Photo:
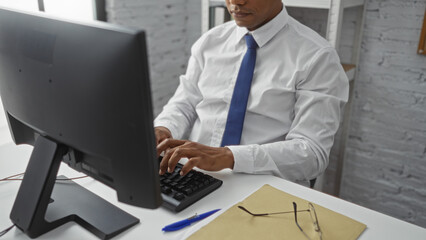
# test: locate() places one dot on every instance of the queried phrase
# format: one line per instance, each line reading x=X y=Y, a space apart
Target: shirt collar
x=265 y=33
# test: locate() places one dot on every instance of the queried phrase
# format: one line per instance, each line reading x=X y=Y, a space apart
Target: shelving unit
x=334 y=26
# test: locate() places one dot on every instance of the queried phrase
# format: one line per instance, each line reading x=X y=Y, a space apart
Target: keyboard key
x=187 y=191
x=166 y=190
x=167 y=181
x=179 y=196
x=180 y=192
x=174 y=175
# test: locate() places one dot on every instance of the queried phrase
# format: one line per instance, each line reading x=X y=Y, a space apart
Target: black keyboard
x=179 y=192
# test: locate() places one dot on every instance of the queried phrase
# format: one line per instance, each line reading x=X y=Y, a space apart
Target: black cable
x=2 y=233
x=69 y=179
x=11 y=178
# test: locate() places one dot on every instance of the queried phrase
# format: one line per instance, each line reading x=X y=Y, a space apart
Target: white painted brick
x=172 y=26
x=386 y=150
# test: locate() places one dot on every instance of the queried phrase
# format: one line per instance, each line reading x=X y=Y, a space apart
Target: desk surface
x=13 y=160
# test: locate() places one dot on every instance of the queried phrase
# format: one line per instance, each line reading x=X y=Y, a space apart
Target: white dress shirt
x=298 y=92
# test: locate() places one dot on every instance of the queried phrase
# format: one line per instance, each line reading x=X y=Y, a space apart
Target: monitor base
x=41 y=205
x=92 y=212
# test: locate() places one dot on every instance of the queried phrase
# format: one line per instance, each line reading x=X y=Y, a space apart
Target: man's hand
x=161 y=134
x=201 y=156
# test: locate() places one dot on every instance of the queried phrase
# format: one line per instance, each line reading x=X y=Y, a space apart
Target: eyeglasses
x=310 y=209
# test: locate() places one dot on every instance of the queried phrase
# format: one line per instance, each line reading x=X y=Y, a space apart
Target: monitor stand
x=41 y=205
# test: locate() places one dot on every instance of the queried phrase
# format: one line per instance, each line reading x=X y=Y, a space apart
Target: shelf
x=325 y=4
x=217 y=3
x=352 y=3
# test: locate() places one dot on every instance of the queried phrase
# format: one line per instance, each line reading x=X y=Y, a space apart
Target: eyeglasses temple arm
x=266 y=214
x=295 y=219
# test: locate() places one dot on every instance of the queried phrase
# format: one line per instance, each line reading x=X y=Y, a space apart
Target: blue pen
x=186 y=222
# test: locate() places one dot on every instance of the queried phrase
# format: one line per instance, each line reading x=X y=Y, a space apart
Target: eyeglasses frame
x=311 y=210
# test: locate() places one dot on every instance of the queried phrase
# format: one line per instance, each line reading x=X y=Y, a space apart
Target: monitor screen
x=80 y=94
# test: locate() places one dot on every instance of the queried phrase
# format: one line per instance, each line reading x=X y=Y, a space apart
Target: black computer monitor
x=80 y=94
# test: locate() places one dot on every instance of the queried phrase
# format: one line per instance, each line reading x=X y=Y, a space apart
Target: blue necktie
x=237 y=109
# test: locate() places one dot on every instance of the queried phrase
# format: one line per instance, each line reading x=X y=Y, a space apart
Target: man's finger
x=179 y=153
x=165 y=162
x=169 y=143
x=192 y=162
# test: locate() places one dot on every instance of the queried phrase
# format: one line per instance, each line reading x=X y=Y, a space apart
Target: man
x=296 y=94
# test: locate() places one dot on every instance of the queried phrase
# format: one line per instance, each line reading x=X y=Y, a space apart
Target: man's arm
x=179 y=113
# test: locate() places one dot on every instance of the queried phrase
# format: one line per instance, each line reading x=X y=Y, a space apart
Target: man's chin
x=243 y=24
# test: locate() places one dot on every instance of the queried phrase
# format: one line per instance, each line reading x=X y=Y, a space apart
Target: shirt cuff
x=168 y=125
x=243 y=158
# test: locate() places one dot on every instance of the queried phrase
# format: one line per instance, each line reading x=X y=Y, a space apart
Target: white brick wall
x=172 y=26
x=385 y=167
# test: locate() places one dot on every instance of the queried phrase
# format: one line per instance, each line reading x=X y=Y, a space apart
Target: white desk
x=13 y=160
